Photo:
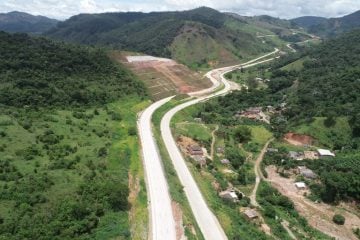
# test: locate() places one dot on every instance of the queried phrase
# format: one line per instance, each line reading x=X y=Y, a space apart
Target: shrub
x=339 y=219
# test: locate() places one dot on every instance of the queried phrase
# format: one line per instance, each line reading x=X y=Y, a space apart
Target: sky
x=62 y=9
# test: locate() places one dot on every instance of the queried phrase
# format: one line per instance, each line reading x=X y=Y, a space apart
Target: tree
x=339 y=219
x=235 y=157
x=330 y=120
x=242 y=134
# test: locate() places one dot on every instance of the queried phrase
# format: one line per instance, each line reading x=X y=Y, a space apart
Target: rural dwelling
x=300 y=185
x=220 y=150
x=195 y=150
x=198 y=120
x=296 y=155
x=254 y=113
x=199 y=159
x=229 y=195
x=325 y=153
x=272 y=150
x=251 y=214
x=225 y=161
x=307 y=173
x=312 y=155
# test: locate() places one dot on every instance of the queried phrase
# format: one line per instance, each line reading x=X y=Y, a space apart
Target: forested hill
x=329 y=81
x=25 y=23
x=195 y=37
x=40 y=72
x=330 y=27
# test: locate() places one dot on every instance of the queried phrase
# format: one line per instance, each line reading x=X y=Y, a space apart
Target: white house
x=300 y=185
x=325 y=153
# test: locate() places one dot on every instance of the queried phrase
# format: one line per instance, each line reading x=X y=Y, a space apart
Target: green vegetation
x=339 y=219
x=277 y=208
x=199 y=38
x=67 y=141
x=37 y=72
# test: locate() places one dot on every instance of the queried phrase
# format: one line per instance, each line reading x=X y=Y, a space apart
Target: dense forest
x=63 y=108
x=39 y=72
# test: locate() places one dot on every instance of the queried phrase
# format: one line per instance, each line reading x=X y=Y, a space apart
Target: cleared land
x=163 y=77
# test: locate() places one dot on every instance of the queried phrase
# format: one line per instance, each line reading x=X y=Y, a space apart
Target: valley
x=179 y=124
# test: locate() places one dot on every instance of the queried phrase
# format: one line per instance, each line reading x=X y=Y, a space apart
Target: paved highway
x=162 y=223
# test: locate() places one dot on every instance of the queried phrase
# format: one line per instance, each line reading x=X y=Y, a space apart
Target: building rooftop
x=325 y=152
x=251 y=213
x=300 y=185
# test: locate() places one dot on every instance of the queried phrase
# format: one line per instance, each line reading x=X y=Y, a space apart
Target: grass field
x=73 y=147
x=335 y=136
x=296 y=65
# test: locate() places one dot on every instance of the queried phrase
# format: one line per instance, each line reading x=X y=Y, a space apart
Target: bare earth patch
x=180 y=232
x=163 y=77
x=319 y=215
x=298 y=139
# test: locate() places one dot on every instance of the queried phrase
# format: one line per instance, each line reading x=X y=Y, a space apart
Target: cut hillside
x=210 y=40
x=25 y=23
x=163 y=77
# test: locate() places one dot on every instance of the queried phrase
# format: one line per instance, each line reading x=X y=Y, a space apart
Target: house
x=229 y=195
x=311 y=155
x=198 y=120
x=300 y=185
x=251 y=214
x=325 y=153
x=195 y=150
x=254 y=113
x=225 y=161
x=296 y=155
x=199 y=159
x=307 y=173
x=272 y=150
x=220 y=150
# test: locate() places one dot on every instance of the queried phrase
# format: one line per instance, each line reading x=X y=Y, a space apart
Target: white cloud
x=278 y=8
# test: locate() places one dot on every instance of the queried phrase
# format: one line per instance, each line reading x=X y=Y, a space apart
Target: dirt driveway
x=319 y=215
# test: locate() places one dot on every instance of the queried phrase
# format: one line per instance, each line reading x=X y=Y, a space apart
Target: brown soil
x=180 y=232
x=164 y=78
x=183 y=142
x=298 y=139
x=138 y=229
x=319 y=215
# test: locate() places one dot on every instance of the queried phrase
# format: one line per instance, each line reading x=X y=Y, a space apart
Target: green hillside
x=67 y=142
x=39 y=72
x=197 y=37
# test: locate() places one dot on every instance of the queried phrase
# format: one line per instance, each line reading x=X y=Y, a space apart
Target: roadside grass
x=85 y=133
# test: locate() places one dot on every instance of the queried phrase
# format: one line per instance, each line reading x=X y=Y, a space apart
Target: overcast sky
x=62 y=9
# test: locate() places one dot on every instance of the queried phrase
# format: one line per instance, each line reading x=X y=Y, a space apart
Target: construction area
x=163 y=77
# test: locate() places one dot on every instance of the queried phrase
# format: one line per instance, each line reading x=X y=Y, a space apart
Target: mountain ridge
x=16 y=21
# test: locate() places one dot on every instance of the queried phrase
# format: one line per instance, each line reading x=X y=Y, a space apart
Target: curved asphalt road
x=162 y=223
